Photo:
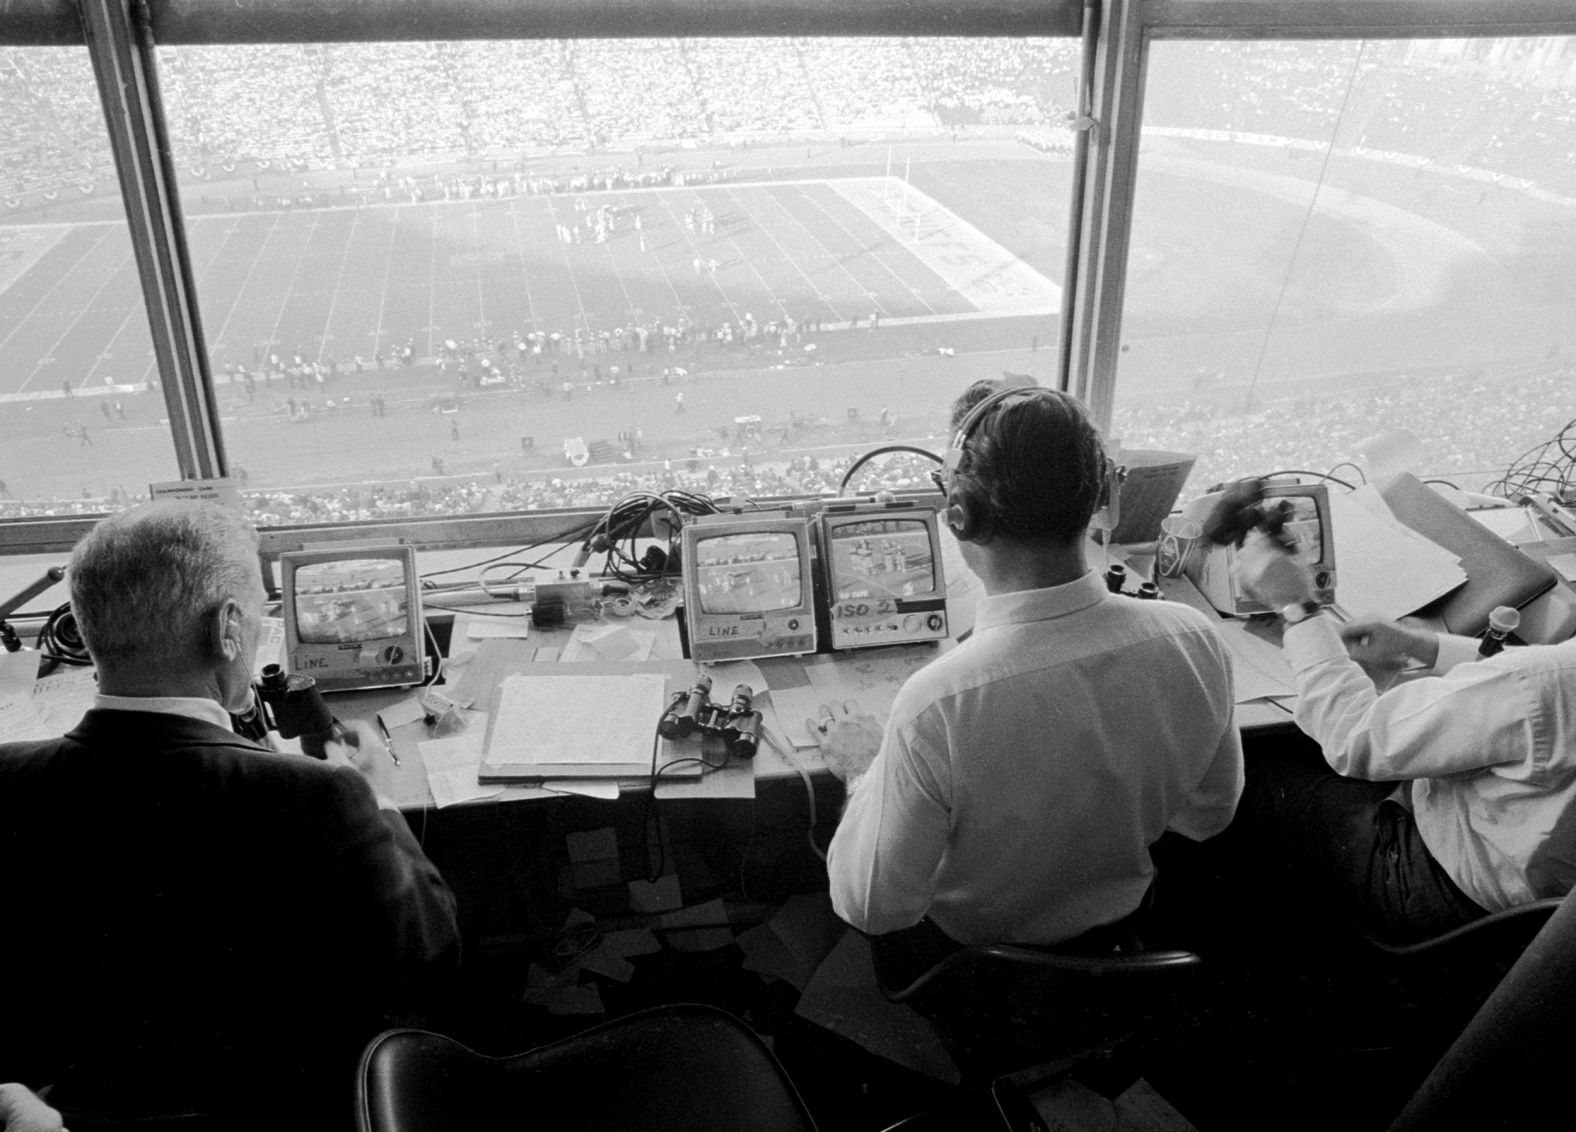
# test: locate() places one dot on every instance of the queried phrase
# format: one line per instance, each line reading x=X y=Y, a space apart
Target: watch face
x=1299 y=611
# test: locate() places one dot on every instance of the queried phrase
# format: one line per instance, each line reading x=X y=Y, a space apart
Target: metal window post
x=120 y=44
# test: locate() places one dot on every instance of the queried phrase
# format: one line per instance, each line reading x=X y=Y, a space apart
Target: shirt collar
x=192 y=707
x=1042 y=604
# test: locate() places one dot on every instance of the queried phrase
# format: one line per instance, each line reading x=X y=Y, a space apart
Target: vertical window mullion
x=120 y=45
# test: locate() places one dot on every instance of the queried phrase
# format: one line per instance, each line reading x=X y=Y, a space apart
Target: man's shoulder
x=177 y=750
x=1171 y=619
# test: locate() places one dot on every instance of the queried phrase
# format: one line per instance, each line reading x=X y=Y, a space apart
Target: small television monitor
x=882 y=574
x=353 y=616
x=1213 y=568
x=748 y=590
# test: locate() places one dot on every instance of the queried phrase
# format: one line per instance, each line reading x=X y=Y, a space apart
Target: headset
x=976 y=524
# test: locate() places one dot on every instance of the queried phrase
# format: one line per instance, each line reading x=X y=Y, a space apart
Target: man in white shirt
x=1022 y=777
x=1445 y=797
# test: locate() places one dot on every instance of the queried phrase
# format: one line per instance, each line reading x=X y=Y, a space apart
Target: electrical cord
x=885 y=449
x=809 y=791
x=568 y=535
x=60 y=642
x=1544 y=469
x=1306 y=472
x=617 y=533
x=1348 y=464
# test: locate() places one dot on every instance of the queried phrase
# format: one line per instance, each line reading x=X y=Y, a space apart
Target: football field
x=335 y=284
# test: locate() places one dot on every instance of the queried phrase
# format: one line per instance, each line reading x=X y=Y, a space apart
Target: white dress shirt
x=1490 y=747
x=1023 y=776
x=193 y=707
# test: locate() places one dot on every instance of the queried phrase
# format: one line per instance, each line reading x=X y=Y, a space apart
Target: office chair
x=677 y=1067
x=1506 y=1069
x=998 y=1008
x=1415 y=996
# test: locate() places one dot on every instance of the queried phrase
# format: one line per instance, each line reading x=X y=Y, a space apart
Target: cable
x=618 y=532
x=568 y=535
x=60 y=642
x=1544 y=469
x=436 y=653
x=885 y=449
x=1346 y=464
x=1306 y=472
x=809 y=791
x=1302 y=230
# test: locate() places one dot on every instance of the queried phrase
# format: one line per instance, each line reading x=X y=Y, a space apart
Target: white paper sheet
x=63 y=697
x=608 y=642
x=562 y=719
x=1383 y=568
x=451 y=765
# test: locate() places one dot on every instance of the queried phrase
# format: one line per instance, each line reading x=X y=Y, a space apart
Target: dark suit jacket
x=189 y=918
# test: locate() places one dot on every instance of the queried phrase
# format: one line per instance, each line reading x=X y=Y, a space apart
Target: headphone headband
x=970 y=422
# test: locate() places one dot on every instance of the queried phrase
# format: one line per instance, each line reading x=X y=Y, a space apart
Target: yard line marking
x=339 y=277
x=251 y=268
x=383 y=295
x=53 y=287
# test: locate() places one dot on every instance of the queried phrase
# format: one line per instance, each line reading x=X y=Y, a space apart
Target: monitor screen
x=1303 y=525
x=748 y=572
x=882 y=558
x=355 y=599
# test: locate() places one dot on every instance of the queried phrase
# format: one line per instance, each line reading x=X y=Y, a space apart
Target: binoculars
x=738 y=725
x=291 y=705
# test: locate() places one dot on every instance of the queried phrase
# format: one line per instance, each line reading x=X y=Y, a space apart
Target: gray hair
x=145 y=582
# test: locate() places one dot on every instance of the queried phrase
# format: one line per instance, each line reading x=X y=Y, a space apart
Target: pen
x=388 y=740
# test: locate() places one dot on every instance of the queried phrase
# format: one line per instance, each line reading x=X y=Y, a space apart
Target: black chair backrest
x=1507 y=930
x=998 y=1008
x=678 y=1067
x=1507 y=1068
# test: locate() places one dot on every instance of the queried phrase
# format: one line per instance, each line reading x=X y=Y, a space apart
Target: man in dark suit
x=196 y=922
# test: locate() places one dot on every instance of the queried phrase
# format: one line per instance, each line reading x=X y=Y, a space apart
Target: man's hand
x=1389 y=645
x=849 y=738
x=22 y=1111
x=1271 y=574
x=364 y=750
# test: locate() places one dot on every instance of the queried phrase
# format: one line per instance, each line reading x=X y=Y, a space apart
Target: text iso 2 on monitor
x=883 y=575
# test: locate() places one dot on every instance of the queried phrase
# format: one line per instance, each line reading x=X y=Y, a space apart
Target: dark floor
x=1311 y=1035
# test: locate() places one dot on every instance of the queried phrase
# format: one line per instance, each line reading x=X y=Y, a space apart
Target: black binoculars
x=291 y=705
x=737 y=724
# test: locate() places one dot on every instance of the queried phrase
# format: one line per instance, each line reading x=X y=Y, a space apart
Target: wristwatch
x=1299 y=611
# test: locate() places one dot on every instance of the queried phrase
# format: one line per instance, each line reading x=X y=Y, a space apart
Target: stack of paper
x=561 y=726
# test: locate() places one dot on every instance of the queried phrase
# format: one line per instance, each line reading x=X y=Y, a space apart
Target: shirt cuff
x=1312 y=642
x=1454 y=650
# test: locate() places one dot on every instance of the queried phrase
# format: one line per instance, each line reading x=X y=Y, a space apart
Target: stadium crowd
x=1472 y=426
x=1506 y=106
x=239 y=110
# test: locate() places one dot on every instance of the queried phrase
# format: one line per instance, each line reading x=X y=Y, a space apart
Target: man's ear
x=224 y=630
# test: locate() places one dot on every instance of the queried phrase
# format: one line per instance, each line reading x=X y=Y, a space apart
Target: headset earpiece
x=975 y=518
x=963 y=515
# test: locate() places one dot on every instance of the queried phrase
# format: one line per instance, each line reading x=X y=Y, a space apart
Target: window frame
x=123 y=35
